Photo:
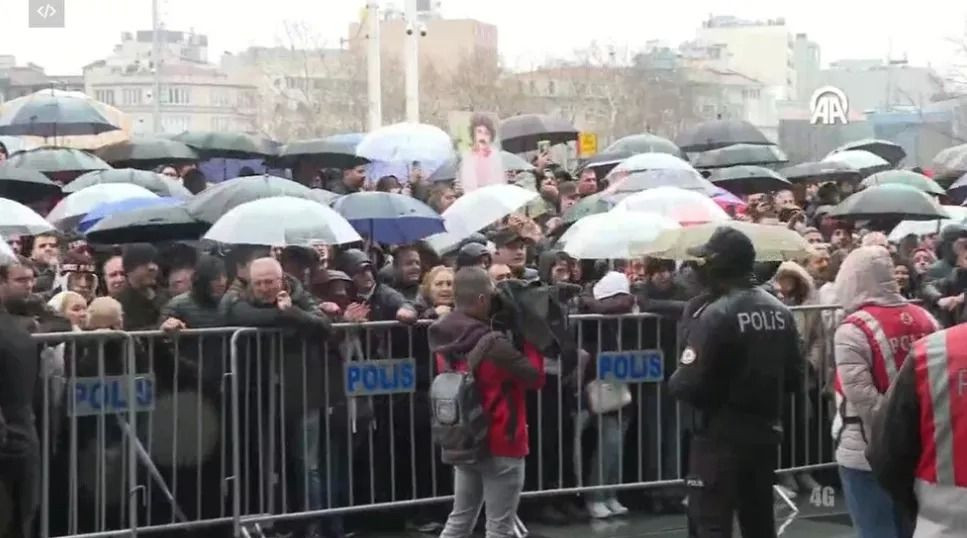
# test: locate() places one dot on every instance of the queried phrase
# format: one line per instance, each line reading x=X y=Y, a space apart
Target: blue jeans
x=606 y=461
x=870 y=507
x=313 y=488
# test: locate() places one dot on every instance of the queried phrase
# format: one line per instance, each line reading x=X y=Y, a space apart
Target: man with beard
x=407 y=272
x=741 y=356
x=19 y=444
x=45 y=256
x=141 y=300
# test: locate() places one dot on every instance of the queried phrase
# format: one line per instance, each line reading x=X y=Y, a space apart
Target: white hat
x=612 y=284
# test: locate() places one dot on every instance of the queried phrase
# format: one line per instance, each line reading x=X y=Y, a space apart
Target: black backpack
x=459 y=422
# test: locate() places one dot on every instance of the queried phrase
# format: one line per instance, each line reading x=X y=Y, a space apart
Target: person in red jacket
x=503 y=375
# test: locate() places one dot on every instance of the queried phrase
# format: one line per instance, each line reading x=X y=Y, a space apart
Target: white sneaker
x=615 y=507
x=599 y=510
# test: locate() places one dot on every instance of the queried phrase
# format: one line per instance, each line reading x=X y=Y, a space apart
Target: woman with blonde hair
x=436 y=293
x=71 y=306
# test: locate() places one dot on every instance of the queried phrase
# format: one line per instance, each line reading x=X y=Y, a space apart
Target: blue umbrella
x=389 y=218
x=108 y=209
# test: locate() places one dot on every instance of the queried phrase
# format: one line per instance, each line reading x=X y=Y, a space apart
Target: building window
x=532 y=87
x=221 y=124
x=751 y=94
x=175 y=96
x=131 y=96
x=551 y=89
x=104 y=96
x=221 y=97
x=175 y=124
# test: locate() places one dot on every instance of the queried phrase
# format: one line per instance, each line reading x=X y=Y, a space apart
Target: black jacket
x=741 y=357
x=305 y=333
x=140 y=312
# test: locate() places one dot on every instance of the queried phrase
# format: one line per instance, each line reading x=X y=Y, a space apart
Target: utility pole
x=412 y=49
x=375 y=91
x=156 y=60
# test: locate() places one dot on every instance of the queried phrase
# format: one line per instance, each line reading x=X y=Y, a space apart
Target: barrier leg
x=520 y=530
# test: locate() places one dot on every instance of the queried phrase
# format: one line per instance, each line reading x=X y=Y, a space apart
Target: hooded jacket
x=812 y=331
x=503 y=376
x=865 y=279
x=946 y=257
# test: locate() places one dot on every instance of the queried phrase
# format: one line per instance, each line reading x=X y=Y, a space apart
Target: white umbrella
x=772 y=243
x=683 y=206
x=958 y=215
x=859 y=159
x=652 y=161
x=18 y=219
x=7 y=254
x=280 y=221
x=484 y=206
x=76 y=205
x=610 y=235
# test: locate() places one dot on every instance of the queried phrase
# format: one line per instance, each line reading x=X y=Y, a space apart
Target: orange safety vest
x=941 y=382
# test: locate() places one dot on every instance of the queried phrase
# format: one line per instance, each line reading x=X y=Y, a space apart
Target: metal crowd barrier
x=246 y=428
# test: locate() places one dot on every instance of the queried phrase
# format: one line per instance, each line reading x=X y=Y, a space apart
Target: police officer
x=917 y=449
x=741 y=357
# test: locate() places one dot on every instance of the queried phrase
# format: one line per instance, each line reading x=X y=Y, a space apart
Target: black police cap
x=727 y=247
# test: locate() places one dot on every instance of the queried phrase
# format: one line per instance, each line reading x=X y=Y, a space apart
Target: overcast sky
x=529 y=30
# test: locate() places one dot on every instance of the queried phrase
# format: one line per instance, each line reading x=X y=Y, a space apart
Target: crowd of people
x=59 y=283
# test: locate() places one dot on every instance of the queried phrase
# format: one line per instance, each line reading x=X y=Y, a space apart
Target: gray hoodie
x=865 y=279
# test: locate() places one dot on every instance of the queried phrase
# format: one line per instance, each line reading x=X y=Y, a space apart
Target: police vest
x=890 y=332
x=940 y=367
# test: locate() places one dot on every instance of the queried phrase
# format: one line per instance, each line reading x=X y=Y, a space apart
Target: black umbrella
x=748 y=180
x=739 y=154
x=323 y=152
x=890 y=151
x=891 y=201
x=523 y=133
x=717 y=134
x=820 y=172
x=228 y=145
x=649 y=179
x=51 y=160
x=210 y=204
x=950 y=163
x=25 y=185
x=147 y=152
x=53 y=113
x=156 y=183
x=644 y=143
x=152 y=224
x=603 y=163
x=447 y=172
x=392 y=219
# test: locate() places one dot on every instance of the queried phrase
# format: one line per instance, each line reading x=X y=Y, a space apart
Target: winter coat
x=503 y=376
x=305 y=332
x=203 y=352
x=140 y=312
x=809 y=322
x=865 y=279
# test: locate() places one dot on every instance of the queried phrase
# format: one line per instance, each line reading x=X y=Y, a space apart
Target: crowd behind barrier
x=242 y=428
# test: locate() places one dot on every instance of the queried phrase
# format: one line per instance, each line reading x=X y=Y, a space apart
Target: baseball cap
x=728 y=247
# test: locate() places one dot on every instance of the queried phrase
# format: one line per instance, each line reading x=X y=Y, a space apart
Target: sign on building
x=587 y=145
x=829 y=106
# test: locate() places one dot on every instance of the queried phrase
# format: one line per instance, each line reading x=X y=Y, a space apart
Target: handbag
x=605 y=397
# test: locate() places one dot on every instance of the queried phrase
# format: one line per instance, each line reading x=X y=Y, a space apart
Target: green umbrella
x=890 y=201
x=904 y=177
x=739 y=154
x=51 y=160
x=147 y=151
x=591 y=205
x=228 y=145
